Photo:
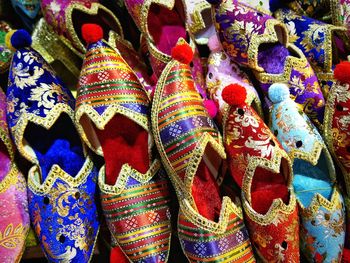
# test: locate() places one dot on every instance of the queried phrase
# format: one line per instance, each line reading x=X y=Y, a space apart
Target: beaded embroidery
x=182 y=130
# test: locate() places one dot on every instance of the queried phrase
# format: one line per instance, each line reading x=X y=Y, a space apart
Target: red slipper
x=263 y=170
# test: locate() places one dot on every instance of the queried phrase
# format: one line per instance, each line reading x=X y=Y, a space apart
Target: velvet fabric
x=322 y=212
x=162 y=27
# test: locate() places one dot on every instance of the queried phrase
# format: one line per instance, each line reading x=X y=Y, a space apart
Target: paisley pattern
x=63 y=212
x=182 y=130
x=144 y=234
x=242 y=30
x=58 y=14
x=34 y=94
x=315 y=39
x=251 y=145
x=321 y=206
x=14 y=217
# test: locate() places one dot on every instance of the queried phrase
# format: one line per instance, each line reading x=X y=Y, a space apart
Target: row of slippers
x=114 y=118
x=181 y=121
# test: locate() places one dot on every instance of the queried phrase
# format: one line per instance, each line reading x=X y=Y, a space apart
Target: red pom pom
x=211 y=108
x=91 y=33
x=182 y=53
x=342 y=72
x=234 y=94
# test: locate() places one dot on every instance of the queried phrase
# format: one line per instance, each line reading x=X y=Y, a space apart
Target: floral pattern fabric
x=315 y=39
x=64 y=214
x=222 y=72
x=337 y=128
x=243 y=29
x=62 y=207
x=33 y=87
x=321 y=206
x=251 y=145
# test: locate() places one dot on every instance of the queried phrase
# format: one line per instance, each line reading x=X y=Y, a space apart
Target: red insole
x=166 y=27
x=266 y=187
x=206 y=193
x=123 y=141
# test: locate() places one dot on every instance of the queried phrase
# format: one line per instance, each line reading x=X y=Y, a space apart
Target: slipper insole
x=309 y=180
x=206 y=193
x=166 y=27
x=5 y=162
x=58 y=145
x=266 y=187
x=271 y=57
x=123 y=142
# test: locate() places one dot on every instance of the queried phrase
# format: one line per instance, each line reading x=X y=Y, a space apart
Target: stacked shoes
x=198 y=131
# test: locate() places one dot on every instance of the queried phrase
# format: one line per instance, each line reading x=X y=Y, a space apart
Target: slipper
x=67 y=17
x=62 y=180
x=321 y=206
x=210 y=227
x=112 y=110
x=336 y=124
x=336 y=129
x=322 y=44
x=263 y=171
x=14 y=223
x=162 y=24
x=258 y=41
